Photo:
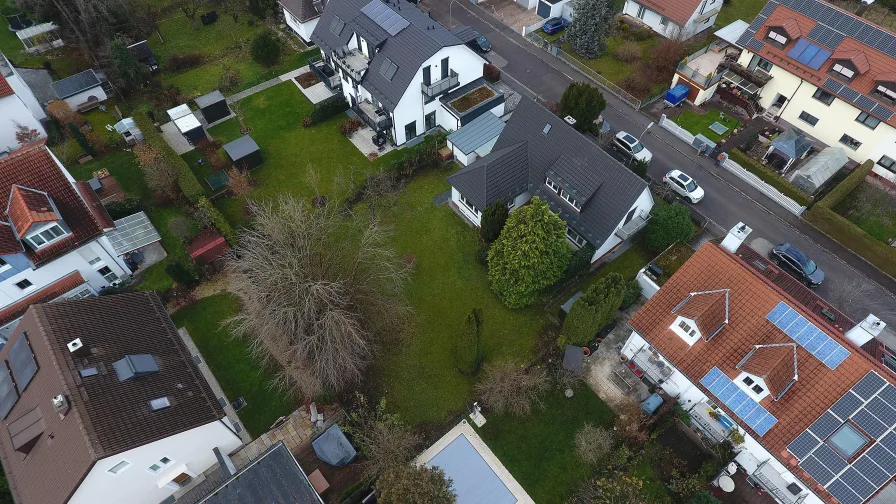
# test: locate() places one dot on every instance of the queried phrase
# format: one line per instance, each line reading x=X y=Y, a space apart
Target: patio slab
x=316 y=93
x=511 y=13
x=363 y=140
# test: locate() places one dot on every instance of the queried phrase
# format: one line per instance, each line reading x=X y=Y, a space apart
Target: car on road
x=554 y=25
x=797 y=263
x=631 y=146
x=480 y=44
x=684 y=185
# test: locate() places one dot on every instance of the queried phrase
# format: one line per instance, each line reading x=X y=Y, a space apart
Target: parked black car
x=797 y=263
x=480 y=44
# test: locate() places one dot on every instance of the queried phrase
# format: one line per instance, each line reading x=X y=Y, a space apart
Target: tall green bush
x=328 y=108
x=595 y=309
x=468 y=347
x=266 y=48
x=669 y=224
x=584 y=103
x=79 y=137
x=186 y=180
x=493 y=219
x=218 y=220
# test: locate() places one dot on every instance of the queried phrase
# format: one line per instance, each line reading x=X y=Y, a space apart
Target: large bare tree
x=319 y=290
x=510 y=386
x=383 y=438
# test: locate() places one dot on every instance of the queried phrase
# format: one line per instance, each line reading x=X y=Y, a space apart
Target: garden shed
x=128 y=130
x=213 y=106
x=187 y=124
x=787 y=148
x=207 y=247
x=819 y=169
x=244 y=153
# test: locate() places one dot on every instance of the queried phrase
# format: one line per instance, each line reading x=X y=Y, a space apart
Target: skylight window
x=388 y=69
x=809 y=54
x=847 y=441
x=337 y=25
x=547 y=128
x=159 y=404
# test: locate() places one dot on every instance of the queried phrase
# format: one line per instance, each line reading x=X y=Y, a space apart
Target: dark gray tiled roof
x=465 y=33
x=40 y=83
x=241 y=147
x=477 y=133
x=303 y=10
x=275 y=476
x=408 y=49
x=209 y=99
x=608 y=188
x=141 y=50
x=501 y=175
x=73 y=85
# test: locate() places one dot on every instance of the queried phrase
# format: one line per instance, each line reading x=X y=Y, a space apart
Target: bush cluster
x=179 y=62
x=350 y=126
x=491 y=73
x=186 y=180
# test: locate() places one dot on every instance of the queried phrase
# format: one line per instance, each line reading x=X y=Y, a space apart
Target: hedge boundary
x=876 y=252
x=848 y=185
x=770 y=177
x=186 y=180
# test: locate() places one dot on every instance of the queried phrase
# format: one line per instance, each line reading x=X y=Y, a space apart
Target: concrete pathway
x=264 y=85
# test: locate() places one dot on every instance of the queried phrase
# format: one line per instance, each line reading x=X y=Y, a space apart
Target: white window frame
x=97 y=263
x=84 y=292
x=847 y=142
x=109 y=277
x=846 y=73
x=469 y=205
x=575 y=238
x=45 y=229
x=686 y=329
x=757 y=381
x=162 y=465
x=511 y=205
x=886 y=91
x=125 y=465
x=642 y=11
x=553 y=185
x=4 y=266
x=777 y=37
x=29 y=286
x=810 y=119
x=864 y=118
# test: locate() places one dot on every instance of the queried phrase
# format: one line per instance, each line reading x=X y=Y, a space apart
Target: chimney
x=736 y=237
x=60 y=405
x=867 y=330
x=225 y=462
x=863 y=6
x=77 y=348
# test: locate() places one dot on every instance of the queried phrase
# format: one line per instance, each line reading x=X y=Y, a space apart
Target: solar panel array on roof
x=755 y=416
x=22 y=363
x=849 y=26
x=755 y=45
x=385 y=17
x=8 y=393
x=809 y=54
x=810 y=337
x=825 y=36
x=871 y=406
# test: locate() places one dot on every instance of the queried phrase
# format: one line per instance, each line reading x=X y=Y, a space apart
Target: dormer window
x=753 y=385
x=563 y=194
x=46 y=235
x=777 y=37
x=843 y=70
x=686 y=329
x=885 y=91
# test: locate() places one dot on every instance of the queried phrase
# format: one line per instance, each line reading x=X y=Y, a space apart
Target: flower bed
x=471 y=99
x=307 y=79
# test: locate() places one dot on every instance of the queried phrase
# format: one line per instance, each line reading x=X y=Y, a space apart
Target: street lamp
x=450 y=17
x=645 y=130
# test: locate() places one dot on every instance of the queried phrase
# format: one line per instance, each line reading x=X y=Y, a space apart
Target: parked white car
x=631 y=146
x=684 y=185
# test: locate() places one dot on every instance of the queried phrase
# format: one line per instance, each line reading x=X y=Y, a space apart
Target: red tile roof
x=97 y=210
x=5 y=88
x=28 y=207
x=208 y=246
x=709 y=310
x=879 y=66
x=751 y=298
x=34 y=167
x=45 y=295
x=9 y=242
x=679 y=11
x=776 y=364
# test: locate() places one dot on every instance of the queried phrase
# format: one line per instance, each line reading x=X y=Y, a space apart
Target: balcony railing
x=702 y=66
x=377 y=118
x=708 y=425
x=352 y=61
x=326 y=74
x=633 y=226
x=773 y=483
x=653 y=365
x=439 y=87
x=758 y=77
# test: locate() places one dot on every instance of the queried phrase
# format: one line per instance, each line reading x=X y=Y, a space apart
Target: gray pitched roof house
x=302 y=15
x=538 y=154
x=395 y=61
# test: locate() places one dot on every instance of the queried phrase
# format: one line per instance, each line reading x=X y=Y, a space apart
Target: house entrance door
x=410 y=130
x=429 y=121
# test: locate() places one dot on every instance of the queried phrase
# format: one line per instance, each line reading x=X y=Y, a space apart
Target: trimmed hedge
x=770 y=177
x=848 y=185
x=853 y=237
x=329 y=108
x=218 y=219
x=186 y=180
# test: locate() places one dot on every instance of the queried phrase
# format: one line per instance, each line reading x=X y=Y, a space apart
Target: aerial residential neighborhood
x=432 y=252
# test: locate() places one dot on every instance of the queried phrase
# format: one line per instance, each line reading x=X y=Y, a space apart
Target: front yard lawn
x=698 y=124
x=418 y=377
x=237 y=371
x=539 y=449
x=872 y=209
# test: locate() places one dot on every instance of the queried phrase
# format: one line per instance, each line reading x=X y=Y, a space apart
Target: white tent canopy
x=819 y=169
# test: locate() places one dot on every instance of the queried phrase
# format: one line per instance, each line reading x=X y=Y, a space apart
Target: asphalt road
x=728 y=200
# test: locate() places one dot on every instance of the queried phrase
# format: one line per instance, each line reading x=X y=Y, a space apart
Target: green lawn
x=539 y=449
x=418 y=377
x=238 y=373
x=672 y=259
x=739 y=9
x=643 y=468
x=628 y=264
x=700 y=123
x=872 y=209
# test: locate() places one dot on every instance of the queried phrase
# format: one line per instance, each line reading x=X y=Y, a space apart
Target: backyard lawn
x=539 y=449
x=739 y=9
x=697 y=123
x=872 y=209
x=238 y=373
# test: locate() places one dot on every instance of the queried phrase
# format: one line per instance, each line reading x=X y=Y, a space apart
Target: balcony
x=772 y=482
x=439 y=87
x=352 y=61
x=702 y=67
x=710 y=427
x=375 y=117
x=633 y=226
x=326 y=74
x=756 y=76
x=653 y=365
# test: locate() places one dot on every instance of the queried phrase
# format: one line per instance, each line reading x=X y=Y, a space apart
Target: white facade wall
x=304 y=30
x=529 y=4
x=12 y=113
x=190 y=452
x=833 y=121
x=75 y=101
x=474 y=217
x=411 y=108
x=703 y=95
x=666 y=27
x=688 y=394
x=643 y=204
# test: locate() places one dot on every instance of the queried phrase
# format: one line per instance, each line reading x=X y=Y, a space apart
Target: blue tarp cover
x=651 y=404
x=471 y=477
x=333 y=448
x=677 y=94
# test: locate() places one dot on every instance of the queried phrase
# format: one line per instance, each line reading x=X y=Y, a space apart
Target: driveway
x=728 y=200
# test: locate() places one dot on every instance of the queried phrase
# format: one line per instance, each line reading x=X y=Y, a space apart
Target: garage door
x=544 y=9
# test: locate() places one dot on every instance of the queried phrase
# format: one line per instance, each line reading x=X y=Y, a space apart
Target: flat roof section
x=477 y=476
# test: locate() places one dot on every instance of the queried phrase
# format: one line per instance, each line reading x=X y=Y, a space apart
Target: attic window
x=777 y=37
x=388 y=69
x=547 y=128
x=886 y=91
x=843 y=71
x=159 y=404
x=46 y=235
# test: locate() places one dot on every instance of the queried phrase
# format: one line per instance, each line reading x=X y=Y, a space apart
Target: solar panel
x=817 y=470
x=827 y=456
x=843 y=493
x=385 y=17
x=883 y=458
x=889 y=441
x=857 y=483
x=882 y=111
x=869 y=385
x=768 y=9
x=710 y=378
x=825 y=36
x=803 y=445
x=871 y=471
x=757 y=23
x=22 y=363
x=888 y=394
x=756 y=416
x=807 y=335
x=727 y=392
x=882 y=411
x=849 y=93
x=826 y=424
x=818 y=60
x=765 y=425
x=846 y=406
x=8 y=393
x=832 y=85
x=865 y=103
x=739 y=402
x=755 y=45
